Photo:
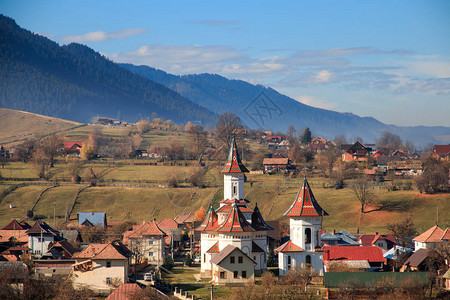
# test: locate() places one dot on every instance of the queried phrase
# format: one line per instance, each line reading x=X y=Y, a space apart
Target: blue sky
x=385 y=59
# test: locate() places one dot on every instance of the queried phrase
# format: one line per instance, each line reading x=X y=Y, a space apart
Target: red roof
x=167 y=223
x=143 y=229
x=370 y=239
x=343 y=253
x=210 y=222
x=115 y=250
x=125 y=291
x=185 y=218
x=73 y=146
x=432 y=235
x=227 y=207
x=441 y=149
x=214 y=248
x=235 y=222
x=289 y=246
x=446 y=235
x=233 y=164
x=305 y=204
x=13 y=225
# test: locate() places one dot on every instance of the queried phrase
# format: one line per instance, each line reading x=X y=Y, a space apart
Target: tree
x=389 y=142
x=143 y=126
x=365 y=195
x=339 y=140
x=89 y=147
x=52 y=145
x=168 y=262
x=226 y=127
x=403 y=232
x=291 y=131
x=435 y=176
x=257 y=162
x=198 y=138
x=306 y=137
x=200 y=214
x=196 y=177
x=326 y=160
x=300 y=276
x=73 y=167
x=188 y=260
x=25 y=150
x=41 y=161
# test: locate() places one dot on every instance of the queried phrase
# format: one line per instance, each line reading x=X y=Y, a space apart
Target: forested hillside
x=221 y=95
x=76 y=83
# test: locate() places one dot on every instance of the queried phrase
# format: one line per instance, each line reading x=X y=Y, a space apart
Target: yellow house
x=232 y=266
x=101 y=266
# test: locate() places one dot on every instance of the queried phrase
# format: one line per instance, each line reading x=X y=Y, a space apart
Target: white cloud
x=316 y=102
x=101 y=36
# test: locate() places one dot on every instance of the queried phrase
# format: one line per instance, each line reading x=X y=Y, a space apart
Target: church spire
x=233 y=164
x=305 y=204
x=210 y=222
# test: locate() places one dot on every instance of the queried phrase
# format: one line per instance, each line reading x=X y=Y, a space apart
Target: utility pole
x=54 y=214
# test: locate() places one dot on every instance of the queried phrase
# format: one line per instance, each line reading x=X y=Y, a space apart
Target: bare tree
x=339 y=140
x=41 y=162
x=389 y=142
x=403 y=232
x=143 y=126
x=198 y=139
x=226 y=128
x=52 y=145
x=327 y=159
x=365 y=195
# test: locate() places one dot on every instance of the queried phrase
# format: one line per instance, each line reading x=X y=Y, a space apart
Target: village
x=225 y=248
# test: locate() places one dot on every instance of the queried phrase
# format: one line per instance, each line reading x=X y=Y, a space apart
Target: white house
x=429 y=238
x=100 y=266
x=304 y=246
x=234 y=223
x=40 y=235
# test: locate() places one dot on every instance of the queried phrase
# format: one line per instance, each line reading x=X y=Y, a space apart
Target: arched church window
x=234 y=190
x=308 y=236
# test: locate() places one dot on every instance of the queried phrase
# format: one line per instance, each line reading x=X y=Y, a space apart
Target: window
x=235 y=274
x=40 y=240
x=308 y=259
x=234 y=190
x=231 y=259
x=240 y=260
x=222 y=275
x=289 y=259
x=244 y=274
x=308 y=236
x=108 y=280
x=204 y=258
x=150 y=254
x=150 y=242
x=108 y=264
x=254 y=258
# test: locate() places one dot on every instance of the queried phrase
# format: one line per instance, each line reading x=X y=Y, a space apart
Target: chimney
x=376 y=233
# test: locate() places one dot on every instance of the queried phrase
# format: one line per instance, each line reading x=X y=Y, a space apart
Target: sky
x=385 y=59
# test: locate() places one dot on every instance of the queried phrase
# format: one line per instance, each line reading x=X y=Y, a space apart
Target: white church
x=233 y=223
x=304 y=246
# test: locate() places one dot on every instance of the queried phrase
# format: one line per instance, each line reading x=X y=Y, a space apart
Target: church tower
x=304 y=246
x=233 y=179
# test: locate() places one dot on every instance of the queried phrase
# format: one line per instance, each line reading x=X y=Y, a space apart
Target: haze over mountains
x=76 y=83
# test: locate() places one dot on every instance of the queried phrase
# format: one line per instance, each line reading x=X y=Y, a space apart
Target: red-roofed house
x=372 y=254
x=126 y=291
x=73 y=147
x=170 y=227
x=429 y=238
x=99 y=266
x=384 y=241
x=442 y=151
x=147 y=239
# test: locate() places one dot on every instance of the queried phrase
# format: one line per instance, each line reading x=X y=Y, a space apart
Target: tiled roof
x=237 y=201
x=432 y=235
x=370 y=239
x=258 y=222
x=227 y=207
x=369 y=253
x=305 y=204
x=417 y=258
x=72 y=145
x=42 y=227
x=20 y=235
x=66 y=246
x=446 y=234
x=114 y=250
x=125 y=291
x=235 y=222
x=210 y=222
x=275 y=161
x=167 y=223
x=256 y=248
x=214 y=248
x=441 y=149
x=13 y=225
x=289 y=246
x=184 y=218
x=147 y=229
x=218 y=258
x=233 y=164
x=275 y=233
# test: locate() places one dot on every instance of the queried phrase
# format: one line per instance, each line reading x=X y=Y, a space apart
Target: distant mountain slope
x=221 y=94
x=74 y=82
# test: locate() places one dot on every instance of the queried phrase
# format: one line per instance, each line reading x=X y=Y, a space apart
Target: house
x=405 y=167
x=341 y=238
x=148 y=240
x=232 y=266
x=15 y=253
x=319 y=143
x=305 y=222
x=446 y=278
x=40 y=237
x=418 y=261
x=371 y=254
x=429 y=239
x=99 y=266
x=92 y=219
x=126 y=291
x=274 y=139
x=73 y=147
x=185 y=219
x=356 y=152
x=234 y=222
x=13 y=234
x=50 y=267
x=171 y=229
x=384 y=241
x=276 y=164
x=377 y=154
x=442 y=151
